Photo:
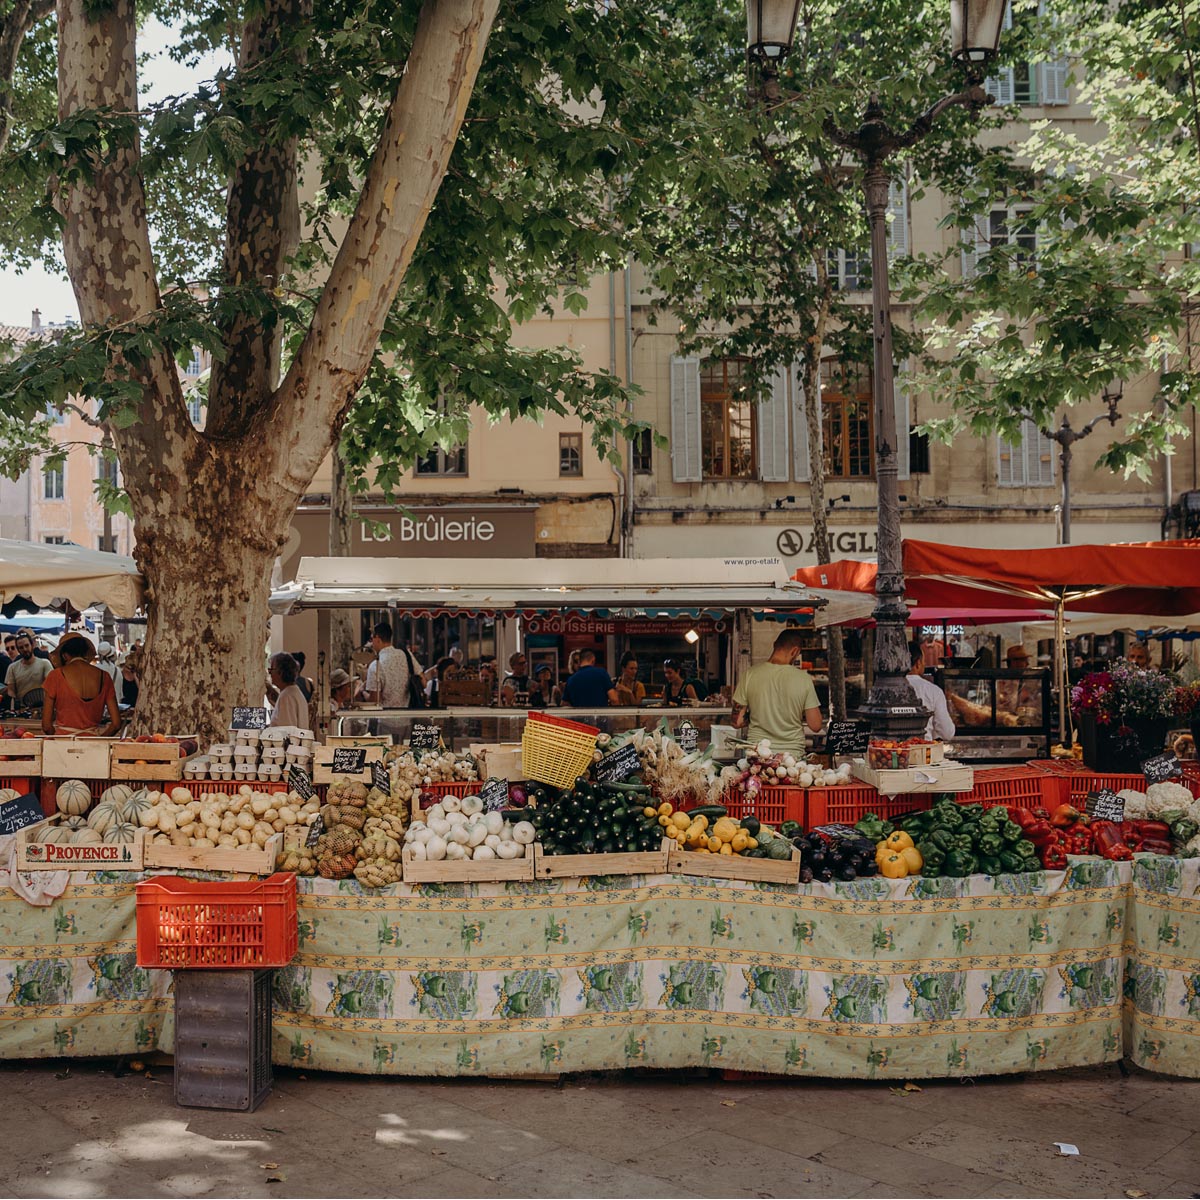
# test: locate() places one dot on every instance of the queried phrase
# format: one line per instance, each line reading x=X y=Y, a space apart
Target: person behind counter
x=631 y=691
x=291 y=708
x=591 y=686
x=678 y=690
x=776 y=699
x=517 y=679
x=939 y=725
x=78 y=693
x=542 y=689
x=340 y=688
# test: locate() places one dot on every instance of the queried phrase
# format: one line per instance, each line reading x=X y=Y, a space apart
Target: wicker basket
x=555 y=750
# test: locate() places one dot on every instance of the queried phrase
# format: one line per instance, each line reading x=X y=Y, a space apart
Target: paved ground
x=71 y=1129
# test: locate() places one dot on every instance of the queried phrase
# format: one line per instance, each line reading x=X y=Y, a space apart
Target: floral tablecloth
x=876 y=978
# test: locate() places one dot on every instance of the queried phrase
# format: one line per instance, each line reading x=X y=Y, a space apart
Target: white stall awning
x=47 y=574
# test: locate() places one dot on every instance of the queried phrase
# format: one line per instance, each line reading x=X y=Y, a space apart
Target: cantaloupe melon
x=117 y=793
x=121 y=834
x=86 y=837
x=105 y=815
x=73 y=797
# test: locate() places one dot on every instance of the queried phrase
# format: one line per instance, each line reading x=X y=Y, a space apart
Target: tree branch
x=24 y=16
x=419 y=133
x=262 y=230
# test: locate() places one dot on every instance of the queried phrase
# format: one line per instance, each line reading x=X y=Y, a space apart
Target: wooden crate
x=469 y=693
x=948 y=777
x=77 y=758
x=21 y=757
x=465 y=871
x=379 y=739
x=33 y=855
x=733 y=866
x=323 y=760
x=575 y=866
x=502 y=761
x=150 y=761
x=259 y=861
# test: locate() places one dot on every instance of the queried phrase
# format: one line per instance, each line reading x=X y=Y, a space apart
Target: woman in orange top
x=77 y=693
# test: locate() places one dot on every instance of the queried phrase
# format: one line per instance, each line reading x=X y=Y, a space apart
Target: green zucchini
x=714 y=812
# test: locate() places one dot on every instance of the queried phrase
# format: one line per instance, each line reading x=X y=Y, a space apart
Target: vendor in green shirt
x=776 y=699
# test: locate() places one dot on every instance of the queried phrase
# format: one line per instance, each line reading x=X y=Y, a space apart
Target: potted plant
x=1123 y=716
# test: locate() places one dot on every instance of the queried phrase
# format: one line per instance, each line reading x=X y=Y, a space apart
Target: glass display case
x=991 y=703
x=463 y=726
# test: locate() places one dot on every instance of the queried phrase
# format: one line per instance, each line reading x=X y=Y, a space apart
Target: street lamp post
x=1066 y=437
x=892 y=708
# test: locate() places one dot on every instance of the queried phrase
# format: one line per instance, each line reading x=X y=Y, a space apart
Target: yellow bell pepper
x=893 y=867
x=912 y=859
x=898 y=841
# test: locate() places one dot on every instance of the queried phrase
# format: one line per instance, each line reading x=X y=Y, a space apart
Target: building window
x=850 y=270
x=570 y=455
x=1028 y=462
x=847 y=408
x=107 y=545
x=53 y=482
x=195 y=405
x=54 y=540
x=56 y=416
x=727 y=421
x=1014 y=227
x=643 y=452
x=1029 y=83
x=110 y=472
x=439 y=461
x=195 y=366
x=918 y=453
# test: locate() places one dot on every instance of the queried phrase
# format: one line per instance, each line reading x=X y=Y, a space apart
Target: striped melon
x=118 y=794
x=73 y=797
x=138 y=804
x=54 y=833
x=105 y=815
x=73 y=824
x=8 y=794
x=86 y=837
x=121 y=834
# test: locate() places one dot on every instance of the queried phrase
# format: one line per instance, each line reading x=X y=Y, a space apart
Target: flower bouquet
x=1124 y=714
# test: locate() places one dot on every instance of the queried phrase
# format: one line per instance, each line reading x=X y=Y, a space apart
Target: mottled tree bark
x=343 y=637
x=212 y=508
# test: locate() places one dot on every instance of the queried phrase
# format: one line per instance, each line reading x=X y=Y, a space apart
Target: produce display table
x=910 y=978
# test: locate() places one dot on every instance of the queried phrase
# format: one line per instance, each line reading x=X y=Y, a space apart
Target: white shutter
x=685 y=420
x=903 y=421
x=976 y=241
x=1053 y=75
x=898 y=239
x=772 y=417
x=1039 y=457
x=1010 y=467
x=800 y=471
x=1002 y=85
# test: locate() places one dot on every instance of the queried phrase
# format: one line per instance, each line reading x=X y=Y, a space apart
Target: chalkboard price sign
x=494 y=795
x=314 y=831
x=348 y=760
x=424 y=736
x=299 y=781
x=20 y=813
x=688 y=736
x=1105 y=805
x=619 y=765
x=380 y=779
x=249 y=718
x=1162 y=767
x=847 y=738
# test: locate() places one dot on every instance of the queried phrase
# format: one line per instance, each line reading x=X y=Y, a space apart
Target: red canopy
x=1151 y=578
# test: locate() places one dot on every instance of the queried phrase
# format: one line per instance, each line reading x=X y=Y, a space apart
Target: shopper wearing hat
x=340 y=687
x=106 y=660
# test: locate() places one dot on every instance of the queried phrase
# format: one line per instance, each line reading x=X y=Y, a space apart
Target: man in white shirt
x=387 y=676
x=939 y=726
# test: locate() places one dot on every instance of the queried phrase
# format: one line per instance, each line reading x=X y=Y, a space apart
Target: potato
x=259 y=804
x=203 y=844
x=243 y=836
x=271 y=815
x=228 y=823
x=244 y=820
x=180 y=840
x=227 y=840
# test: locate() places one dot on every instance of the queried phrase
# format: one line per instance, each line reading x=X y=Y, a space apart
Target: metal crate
x=223 y=1038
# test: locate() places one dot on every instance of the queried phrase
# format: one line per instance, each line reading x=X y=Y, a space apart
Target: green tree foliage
x=1103 y=297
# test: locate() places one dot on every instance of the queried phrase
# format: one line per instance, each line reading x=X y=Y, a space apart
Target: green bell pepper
x=948 y=817
x=990 y=844
x=943 y=839
x=964 y=842
x=972 y=812
x=1012 y=862
x=1027 y=850
x=929 y=871
x=990 y=865
x=870 y=825
x=1010 y=831
x=960 y=863
x=930 y=852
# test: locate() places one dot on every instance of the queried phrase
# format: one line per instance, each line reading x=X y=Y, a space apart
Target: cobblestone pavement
x=81 y=1129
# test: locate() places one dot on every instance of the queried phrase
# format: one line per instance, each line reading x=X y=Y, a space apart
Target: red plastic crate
x=846 y=803
x=1090 y=782
x=1058 y=766
x=1022 y=786
x=187 y=923
x=772 y=805
x=431 y=793
x=1191 y=776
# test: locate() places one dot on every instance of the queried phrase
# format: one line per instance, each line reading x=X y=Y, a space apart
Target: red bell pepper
x=1053 y=857
x=1041 y=833
x=1150 y=846
x=1109 y=843
x=1021 y=816
x=1130 y=834
x=1153 y=830
x=1064 y=816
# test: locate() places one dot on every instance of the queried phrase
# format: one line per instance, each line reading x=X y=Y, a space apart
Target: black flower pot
x=1121 y=749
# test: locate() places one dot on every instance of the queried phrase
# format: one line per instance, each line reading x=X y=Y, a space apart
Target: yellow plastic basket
x=555 y=750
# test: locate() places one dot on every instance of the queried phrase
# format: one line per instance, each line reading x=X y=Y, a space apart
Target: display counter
x=877 y=978
x=463 y=726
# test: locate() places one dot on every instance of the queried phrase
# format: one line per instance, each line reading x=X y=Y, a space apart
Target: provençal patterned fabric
x=878 y=978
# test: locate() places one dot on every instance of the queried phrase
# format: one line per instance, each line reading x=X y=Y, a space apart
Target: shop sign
x=688 y=736
x=1105 y=805
x=619 y=765
x=1162 y=767
x=20 y=812
x=649 y=626
x=380 y=779
x=424 y=736
x=249 y=718
x=494 y=795
x=793 y=542
x=348 y=760
x=848 y=738
x=300 y=782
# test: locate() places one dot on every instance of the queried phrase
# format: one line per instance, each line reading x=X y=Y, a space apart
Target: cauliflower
x=1162 y=797
x=1191 y=849
x=1136 y=806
